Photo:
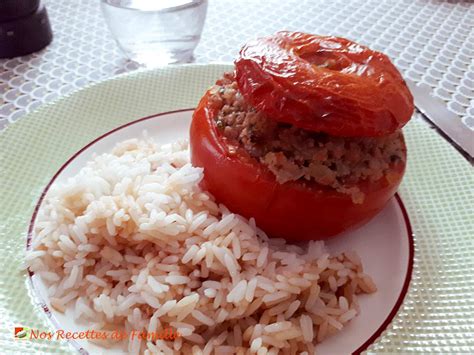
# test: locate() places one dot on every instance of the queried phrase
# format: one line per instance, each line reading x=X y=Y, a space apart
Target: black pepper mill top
x=24 y=27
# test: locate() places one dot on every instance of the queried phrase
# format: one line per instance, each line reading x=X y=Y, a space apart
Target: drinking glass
x=156 y=32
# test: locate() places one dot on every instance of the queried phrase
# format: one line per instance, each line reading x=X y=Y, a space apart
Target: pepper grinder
x=24 y=27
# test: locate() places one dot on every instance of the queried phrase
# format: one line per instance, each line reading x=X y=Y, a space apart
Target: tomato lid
x=324 y=84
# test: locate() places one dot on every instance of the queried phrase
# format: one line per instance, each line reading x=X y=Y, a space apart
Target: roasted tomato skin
x=324 y=84
x=293 y=210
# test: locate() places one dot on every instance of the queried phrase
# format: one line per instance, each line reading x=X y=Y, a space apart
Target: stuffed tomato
x=278 y=162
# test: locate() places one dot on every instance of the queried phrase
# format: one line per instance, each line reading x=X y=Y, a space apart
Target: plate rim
x=39 y=301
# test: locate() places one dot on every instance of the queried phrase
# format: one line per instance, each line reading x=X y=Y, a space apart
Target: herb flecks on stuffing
x=291 y=153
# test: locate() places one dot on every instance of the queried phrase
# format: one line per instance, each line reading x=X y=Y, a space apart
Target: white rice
x=132 y=241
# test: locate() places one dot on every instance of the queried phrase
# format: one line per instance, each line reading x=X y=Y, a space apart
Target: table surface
x=429 y=41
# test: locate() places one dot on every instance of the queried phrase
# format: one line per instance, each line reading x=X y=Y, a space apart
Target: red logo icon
x=22 y=333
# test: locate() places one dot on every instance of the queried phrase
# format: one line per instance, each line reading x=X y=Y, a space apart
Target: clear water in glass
x=156 y=32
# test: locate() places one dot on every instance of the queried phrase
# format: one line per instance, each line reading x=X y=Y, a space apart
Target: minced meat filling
x=291 y=153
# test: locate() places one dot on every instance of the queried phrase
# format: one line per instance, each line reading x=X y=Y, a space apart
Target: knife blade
x=435 y=110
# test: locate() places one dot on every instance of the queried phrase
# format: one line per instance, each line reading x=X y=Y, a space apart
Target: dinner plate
x=389 y=235
x=433 y=312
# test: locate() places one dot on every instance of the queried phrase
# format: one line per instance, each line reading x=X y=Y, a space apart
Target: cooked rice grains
x=132 y=241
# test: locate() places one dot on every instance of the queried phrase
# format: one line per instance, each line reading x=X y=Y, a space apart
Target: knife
x=435 y=110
